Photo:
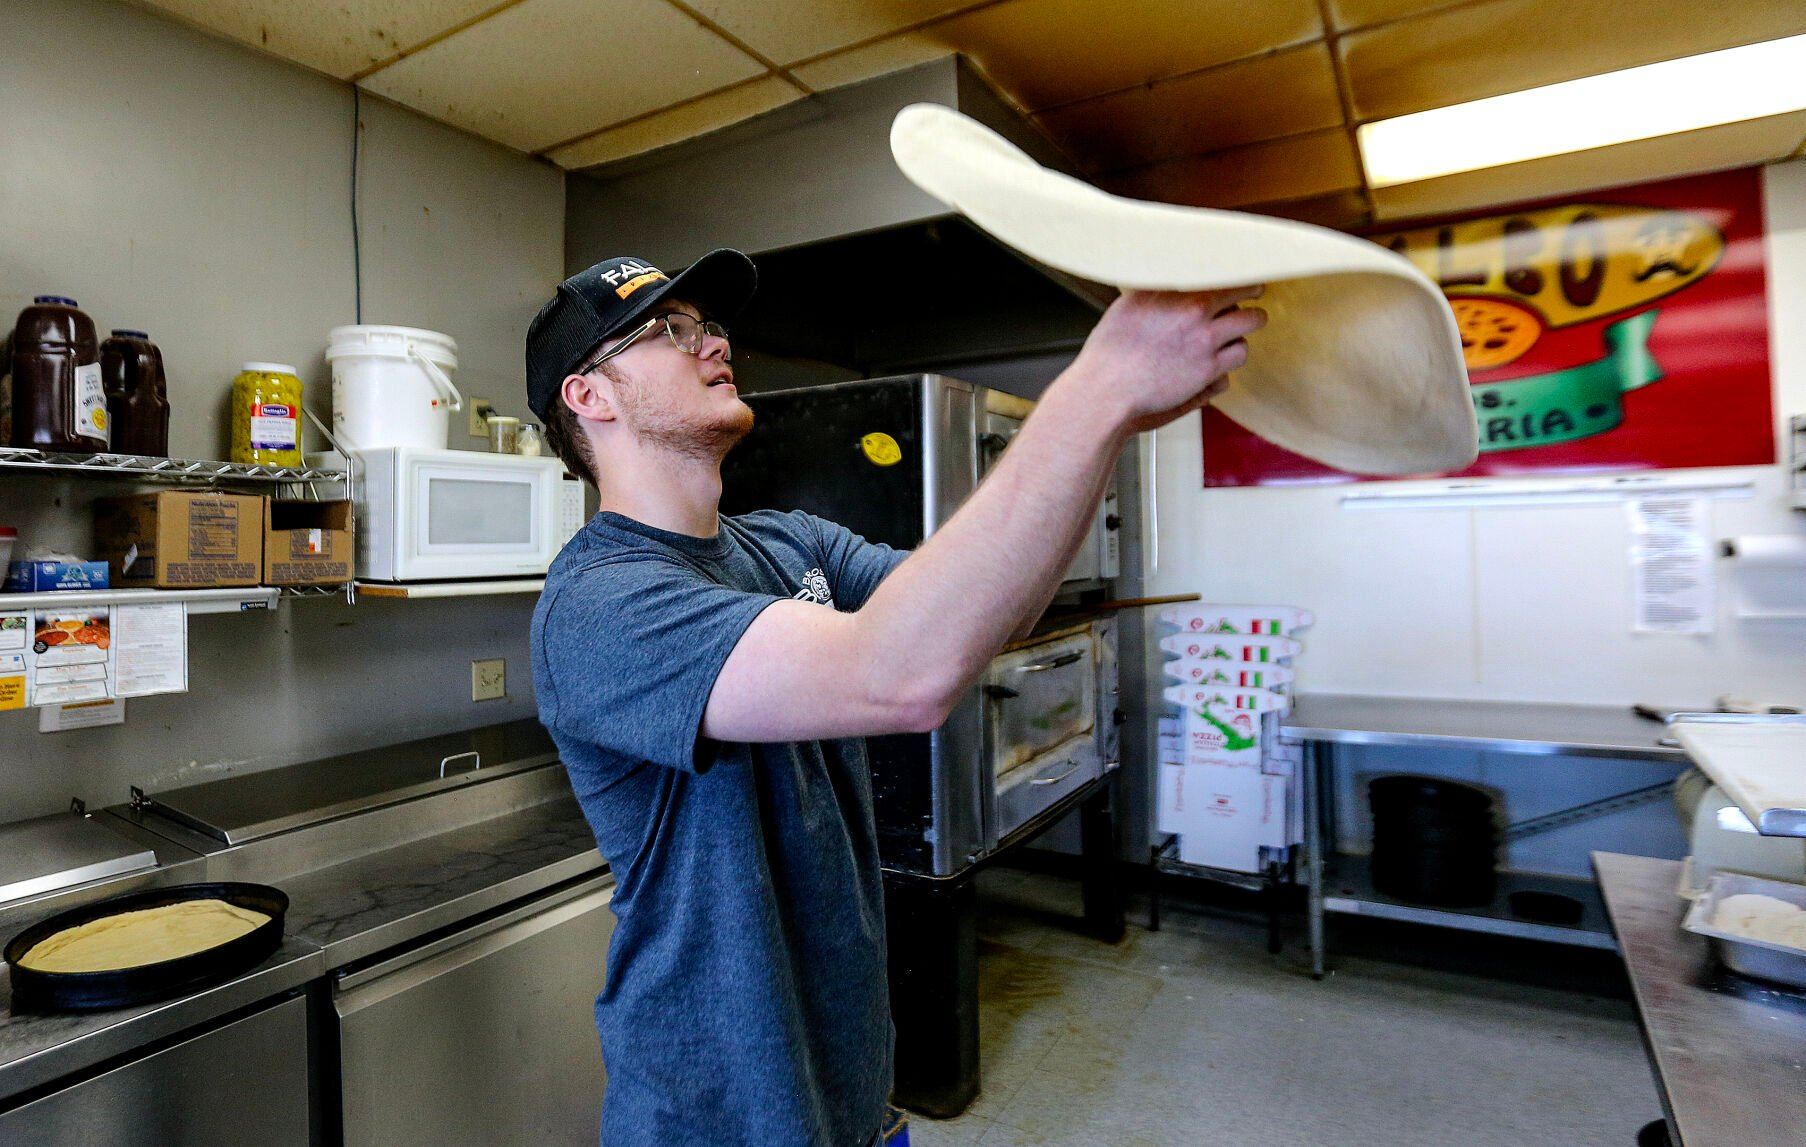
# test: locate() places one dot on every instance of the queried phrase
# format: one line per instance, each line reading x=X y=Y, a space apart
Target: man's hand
x=1157 y=355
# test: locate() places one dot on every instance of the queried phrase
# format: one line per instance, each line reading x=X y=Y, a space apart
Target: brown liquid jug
x=53 y=360
x=131 y=371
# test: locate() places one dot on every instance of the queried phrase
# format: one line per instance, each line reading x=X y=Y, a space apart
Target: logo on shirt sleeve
x=815 y=589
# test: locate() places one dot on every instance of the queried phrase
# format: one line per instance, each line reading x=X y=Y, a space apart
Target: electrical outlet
x=478 y=410
x=488 y=680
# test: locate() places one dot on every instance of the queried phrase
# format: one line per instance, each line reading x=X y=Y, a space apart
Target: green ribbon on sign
x=1575 y=403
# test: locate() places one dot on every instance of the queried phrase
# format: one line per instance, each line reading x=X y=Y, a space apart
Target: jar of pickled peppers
x=266 y=415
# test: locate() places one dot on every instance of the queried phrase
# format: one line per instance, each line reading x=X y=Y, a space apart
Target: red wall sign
x=1620 y=330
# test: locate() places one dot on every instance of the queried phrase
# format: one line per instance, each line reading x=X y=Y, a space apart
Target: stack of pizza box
x=1228 y=787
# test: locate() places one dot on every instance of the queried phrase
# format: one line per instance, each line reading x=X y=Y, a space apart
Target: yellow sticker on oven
x=880 y=449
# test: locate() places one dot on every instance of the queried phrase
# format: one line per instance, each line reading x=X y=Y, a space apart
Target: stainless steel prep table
x=360 y=887
x=1321 y=722
x=1729 y=1054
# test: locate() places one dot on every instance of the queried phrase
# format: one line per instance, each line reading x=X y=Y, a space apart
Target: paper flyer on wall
x=65 y=656
x=15 y=629
x=150 y=649
x=1671 y=565
x=71 y=655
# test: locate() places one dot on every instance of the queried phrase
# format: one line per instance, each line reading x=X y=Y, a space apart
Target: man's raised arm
x=900 y=663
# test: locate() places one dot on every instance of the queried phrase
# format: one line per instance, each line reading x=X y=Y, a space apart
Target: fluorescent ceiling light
x=1638 y=103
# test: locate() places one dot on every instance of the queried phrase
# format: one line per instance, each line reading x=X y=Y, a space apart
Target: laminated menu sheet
x=70 y=656
x=15 y=631
x=66 y=656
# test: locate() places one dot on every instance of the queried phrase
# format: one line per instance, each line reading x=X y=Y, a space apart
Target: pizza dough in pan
x=1360 y=367
x=146 y=936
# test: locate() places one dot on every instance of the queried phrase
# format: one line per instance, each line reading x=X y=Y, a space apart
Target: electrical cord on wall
x=357 y=256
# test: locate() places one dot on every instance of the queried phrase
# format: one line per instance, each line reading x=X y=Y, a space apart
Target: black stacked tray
x=1434 y=841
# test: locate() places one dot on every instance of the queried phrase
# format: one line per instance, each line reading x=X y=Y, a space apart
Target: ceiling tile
x=1710 y=149
x=1347 y=14
x=1283 y=94
x=687 y=121
x=1346 y=210
x=547 y=71
x=802 y=29
x=1049 y=52
x=876 y=59
x=339 y=39
x=1298 y=167
x=1487 y=49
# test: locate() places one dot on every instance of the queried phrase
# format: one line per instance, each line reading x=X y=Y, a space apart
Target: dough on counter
x=146 y=936
x=1360 y=366
x=1762 y=918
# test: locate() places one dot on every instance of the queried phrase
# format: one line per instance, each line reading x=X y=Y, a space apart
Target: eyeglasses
x=685 y=333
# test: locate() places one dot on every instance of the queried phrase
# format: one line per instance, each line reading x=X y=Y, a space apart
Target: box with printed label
x=307 y=543
x=182 y=539
x=48 y=577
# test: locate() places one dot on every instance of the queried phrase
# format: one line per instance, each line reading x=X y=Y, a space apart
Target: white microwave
x=434 y=515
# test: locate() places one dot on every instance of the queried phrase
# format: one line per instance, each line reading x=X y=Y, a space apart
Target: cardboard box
x=182 y=539
x=47 y=577
x=307 y=543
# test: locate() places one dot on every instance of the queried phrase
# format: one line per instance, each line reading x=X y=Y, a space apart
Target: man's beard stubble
x=656 y=420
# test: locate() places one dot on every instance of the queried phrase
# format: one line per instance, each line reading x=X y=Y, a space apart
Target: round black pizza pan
x=37 y=991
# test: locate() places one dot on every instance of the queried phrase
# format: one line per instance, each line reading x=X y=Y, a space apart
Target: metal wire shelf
x=175 y=471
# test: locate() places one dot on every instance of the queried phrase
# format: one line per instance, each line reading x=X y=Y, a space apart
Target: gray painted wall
x=199 y=191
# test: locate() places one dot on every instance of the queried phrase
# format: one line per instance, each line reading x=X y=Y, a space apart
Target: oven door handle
x=1059 y=662
x=1076 y=766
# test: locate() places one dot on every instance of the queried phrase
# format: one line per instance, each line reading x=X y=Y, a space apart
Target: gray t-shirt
x=745 y=999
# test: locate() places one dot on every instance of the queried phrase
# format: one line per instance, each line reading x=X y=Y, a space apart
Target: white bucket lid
x=391 y=342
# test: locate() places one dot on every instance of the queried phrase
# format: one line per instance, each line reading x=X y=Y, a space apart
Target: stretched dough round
x=146 y=936
x=1360 y=366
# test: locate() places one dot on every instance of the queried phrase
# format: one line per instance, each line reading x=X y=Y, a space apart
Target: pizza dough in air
x=147 y=936
x=1360 y=367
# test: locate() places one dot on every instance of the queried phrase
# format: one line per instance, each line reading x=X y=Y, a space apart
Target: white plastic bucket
x=391 y=386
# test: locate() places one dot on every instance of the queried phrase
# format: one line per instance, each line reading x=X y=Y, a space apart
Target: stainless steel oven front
x=939 y=803
x=1041 y=715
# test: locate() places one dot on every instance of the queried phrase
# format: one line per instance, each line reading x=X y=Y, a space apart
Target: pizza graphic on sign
x=1622 y=330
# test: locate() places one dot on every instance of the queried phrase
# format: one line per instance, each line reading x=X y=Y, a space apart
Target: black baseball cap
x=616 y=294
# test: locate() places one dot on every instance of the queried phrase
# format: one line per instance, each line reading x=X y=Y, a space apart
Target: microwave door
x=471 y=521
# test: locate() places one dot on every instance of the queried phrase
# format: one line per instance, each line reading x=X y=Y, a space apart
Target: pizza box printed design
x=1233 y=674
x=1231 y=647
x=1267 y=620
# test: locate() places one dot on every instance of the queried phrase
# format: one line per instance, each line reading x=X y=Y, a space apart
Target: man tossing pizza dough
x=709 y=682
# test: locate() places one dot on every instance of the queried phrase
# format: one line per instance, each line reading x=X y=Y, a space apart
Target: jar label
x=275 y=426
x=90 y=404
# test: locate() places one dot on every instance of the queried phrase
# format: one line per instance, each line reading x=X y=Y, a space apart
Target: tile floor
x=1194 y=1035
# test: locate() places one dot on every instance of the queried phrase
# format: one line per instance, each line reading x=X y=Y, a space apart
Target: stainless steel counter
x=1503 y=726
x=238 y=809
x=357 y=886
x=1729 y=1054
x=37 y=1049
